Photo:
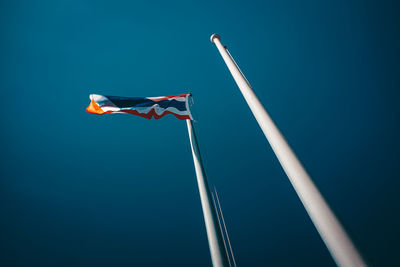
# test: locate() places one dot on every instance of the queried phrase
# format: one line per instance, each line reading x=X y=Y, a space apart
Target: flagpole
x=219 y=256
x=332 y=232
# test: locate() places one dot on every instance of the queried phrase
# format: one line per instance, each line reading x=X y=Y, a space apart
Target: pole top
x=213 y=36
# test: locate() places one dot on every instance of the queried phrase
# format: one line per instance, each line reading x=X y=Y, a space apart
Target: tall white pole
x=219 y=256
x=332 y=233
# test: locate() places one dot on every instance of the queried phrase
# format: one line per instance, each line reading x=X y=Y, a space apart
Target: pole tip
x=213 y=36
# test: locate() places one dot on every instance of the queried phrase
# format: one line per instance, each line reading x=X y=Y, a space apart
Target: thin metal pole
x=215 y=239
x=332 y=233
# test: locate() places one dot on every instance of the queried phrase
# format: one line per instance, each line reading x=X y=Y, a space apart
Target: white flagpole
x=219 y=256
x=332 y=233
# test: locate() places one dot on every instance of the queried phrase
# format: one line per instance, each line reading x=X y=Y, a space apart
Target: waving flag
x=146 y=107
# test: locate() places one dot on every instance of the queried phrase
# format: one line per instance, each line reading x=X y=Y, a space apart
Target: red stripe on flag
x=152 y=113
x=156 y=99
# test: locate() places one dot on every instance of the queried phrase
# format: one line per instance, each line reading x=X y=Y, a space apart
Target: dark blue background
x=118 y=190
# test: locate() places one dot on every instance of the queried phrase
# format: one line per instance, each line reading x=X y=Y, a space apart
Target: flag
x=146 y=107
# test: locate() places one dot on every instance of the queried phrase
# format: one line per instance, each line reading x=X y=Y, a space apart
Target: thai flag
x=146 y=107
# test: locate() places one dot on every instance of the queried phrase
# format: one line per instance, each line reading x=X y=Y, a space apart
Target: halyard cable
x=225 y=229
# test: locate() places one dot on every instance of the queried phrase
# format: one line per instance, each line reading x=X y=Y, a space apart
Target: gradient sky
x=78 y=189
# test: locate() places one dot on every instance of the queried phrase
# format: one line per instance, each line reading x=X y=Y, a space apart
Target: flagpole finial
x=213 y=36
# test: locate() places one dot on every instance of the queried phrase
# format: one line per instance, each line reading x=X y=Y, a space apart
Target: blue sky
x=85 y=190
